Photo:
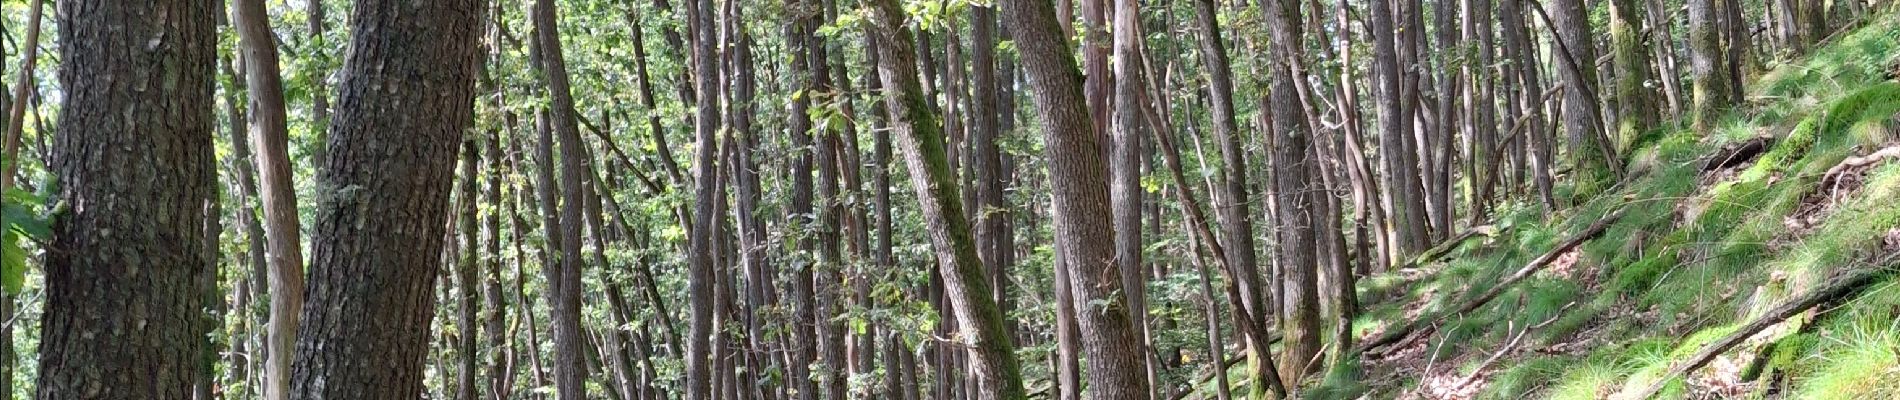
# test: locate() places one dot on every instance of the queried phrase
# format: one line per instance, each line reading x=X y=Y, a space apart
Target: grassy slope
x=1693 y=258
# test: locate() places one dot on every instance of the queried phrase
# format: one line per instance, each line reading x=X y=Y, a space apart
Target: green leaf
x=24 y=221
x=12 y=263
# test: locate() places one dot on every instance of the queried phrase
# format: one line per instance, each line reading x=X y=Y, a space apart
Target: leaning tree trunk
x=401 y=113
x=1083 y=230
x=271 y=136
x=124 y=288
x=992 y=352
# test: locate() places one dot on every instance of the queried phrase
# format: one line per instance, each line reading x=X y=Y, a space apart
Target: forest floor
x=1711 y=231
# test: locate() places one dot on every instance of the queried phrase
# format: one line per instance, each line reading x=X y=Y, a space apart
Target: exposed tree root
x=1394 y=335
x=1839 y=286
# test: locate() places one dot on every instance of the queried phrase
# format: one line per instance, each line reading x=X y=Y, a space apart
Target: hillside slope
x=1709 y=233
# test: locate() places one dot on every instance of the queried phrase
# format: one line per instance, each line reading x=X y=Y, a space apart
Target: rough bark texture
x=992 y=352
x=564 y=278
x=1404 y=196
x=124 y=294
x=1084 y=234
x=401 y=111
x=1296 y=198
x=1594 y=164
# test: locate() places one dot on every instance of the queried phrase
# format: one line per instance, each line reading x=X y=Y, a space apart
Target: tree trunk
x=1125 y=163
x=700 y=279
x=378 y=232
x=117 y=261
x=564 y=277
x=1708 y=71
x=991 y=350
x=1083 y=229
x=1635 y=102
x=1594 y=163
x=271 y=136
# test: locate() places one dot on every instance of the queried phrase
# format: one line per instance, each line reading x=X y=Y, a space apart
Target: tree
x=409 y=91
x=1707 y=71
x=119 y=261
x=1083 y=229
x=992 y=351
x=1635 y=102
x=570 y=372
x=1593 y=160
x=271 y=136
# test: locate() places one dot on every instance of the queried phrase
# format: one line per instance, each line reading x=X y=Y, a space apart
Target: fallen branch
x=1515 y=339
x=1737 y=153
x=1834 y=173
x=1834 y=289
x=1444 y=248
x=1596 y=229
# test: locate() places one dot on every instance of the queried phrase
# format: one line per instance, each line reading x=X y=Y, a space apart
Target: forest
x=949 y=199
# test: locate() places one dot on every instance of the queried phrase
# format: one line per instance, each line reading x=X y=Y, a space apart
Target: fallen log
x=1737 y=153
x=1593 y=231
x=1835 y=288
x=1444 y=248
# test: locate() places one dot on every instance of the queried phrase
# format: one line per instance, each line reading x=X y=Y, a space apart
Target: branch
x=1838 y=287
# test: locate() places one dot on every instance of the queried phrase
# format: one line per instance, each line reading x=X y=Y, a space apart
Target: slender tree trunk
x=467 y=287
x=409 y=91
x=271 y=136
x=564 y=278
x=125 y=261
x=1125 y=163
x=706 y=74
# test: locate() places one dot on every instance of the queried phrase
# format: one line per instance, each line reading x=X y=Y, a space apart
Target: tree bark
x=119 y=261
x=992 y=352
x=564 y=278
x=1083 y=229
x=408 y=98
x=1707 y=70
x=271 y=137
x=1635 y=102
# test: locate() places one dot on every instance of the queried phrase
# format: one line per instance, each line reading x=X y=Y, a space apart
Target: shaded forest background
x=829 y=199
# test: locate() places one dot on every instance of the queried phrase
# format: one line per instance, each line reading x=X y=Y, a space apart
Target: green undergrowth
x=1695 y=255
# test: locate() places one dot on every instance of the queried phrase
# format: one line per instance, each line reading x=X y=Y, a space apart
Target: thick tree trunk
x=1707 y=70
x=1593 y=160
x=992 y=352
x=409 y=92
x=1083 y=229
x=117 y=261
x=1296 y=199
x=1404 y=200
x=1635 y=102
